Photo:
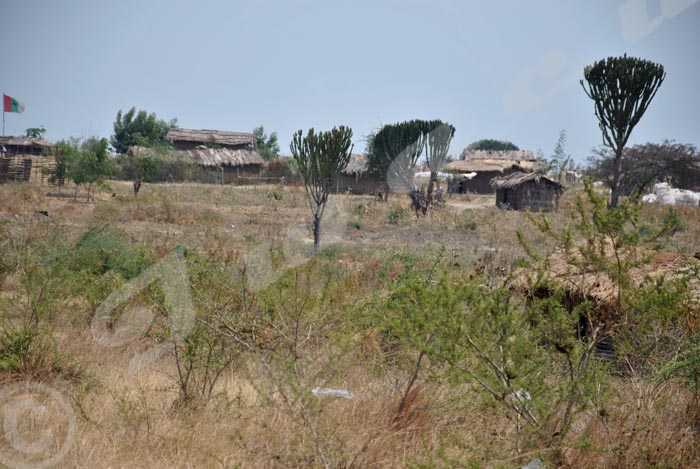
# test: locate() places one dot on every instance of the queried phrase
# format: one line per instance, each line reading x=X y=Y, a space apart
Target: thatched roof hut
x=478 y=166
x=488 y=165
x=25 y=146
x=220 y=157
x=357 y=165
x=26 y=159
x=185 y=139
x=354 y=178
x=233 y=156
x=532 y=191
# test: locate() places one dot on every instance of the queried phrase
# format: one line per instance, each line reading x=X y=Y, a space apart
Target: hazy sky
x=494 y=69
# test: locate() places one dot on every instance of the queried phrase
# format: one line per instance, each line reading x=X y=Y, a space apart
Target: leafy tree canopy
x=392 y=140
x=268 y=147
x=141 y=129
x=489 y=144
x=644 y=165
x=35 y=132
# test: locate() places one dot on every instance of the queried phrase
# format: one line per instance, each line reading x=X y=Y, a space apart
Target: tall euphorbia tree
x=621 y=88
x=320 y=158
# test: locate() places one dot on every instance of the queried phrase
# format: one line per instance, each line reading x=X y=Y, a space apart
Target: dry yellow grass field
x=262 y=416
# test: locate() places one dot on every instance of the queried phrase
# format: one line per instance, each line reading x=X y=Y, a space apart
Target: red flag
x=11 y=104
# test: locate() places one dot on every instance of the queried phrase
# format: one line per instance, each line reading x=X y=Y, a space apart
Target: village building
x=476 y=168
x=230 y=156
x=354 y=179
x=26 y=159
x=527 y=191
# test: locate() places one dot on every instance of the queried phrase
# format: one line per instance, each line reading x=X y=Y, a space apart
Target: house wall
x=479 y=184
x=11 y=150
x=241 y=174
x=28 y=168
x=357 y=184
x=529 y=195
x=184 y=145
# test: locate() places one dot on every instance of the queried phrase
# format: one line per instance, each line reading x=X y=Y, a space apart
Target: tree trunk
x=615 y=189
x=419 y=202
x=431 y=183
x=317 y=233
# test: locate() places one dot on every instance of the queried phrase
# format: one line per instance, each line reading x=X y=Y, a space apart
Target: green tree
x=488 y=144
x=437 y=145
x=320 y=157
x=268 y=147
x=141 y=129
x=644 y=165
x=559 y=160
x=621 y=88
x=144 y=169
x=394 y=150
x=91 y=166
x=385 y=146
x=67 y=153
x=35 y=132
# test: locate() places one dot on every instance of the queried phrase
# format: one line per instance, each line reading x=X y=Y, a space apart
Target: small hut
x=231 y=156
x=476 y=168
x=354 y=178
x=532 y=191
x=26 y=159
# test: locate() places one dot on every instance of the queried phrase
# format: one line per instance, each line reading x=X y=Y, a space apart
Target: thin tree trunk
x=317 y=233
x=615 y=192
x=431 y=183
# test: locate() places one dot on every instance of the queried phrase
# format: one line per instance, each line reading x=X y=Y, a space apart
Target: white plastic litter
x=442 y=176
x=522 y=395
x=667 y=195
x=344 y=393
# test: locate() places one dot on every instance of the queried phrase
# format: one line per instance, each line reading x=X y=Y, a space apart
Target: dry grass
x=130 y=421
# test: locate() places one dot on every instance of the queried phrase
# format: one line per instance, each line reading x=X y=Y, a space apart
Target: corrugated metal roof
x=205 y=136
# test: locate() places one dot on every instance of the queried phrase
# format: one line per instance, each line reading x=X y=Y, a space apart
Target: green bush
x=27 y=349
x=396 y=215
x=467 y=223
x=102 y=249
x=275 y=195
